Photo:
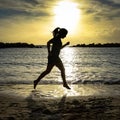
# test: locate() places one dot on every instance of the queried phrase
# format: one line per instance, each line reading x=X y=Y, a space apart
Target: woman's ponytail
x=59 y=31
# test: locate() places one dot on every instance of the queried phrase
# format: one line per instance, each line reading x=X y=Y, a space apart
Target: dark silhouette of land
x=18 y=45
x=26 y=45
x=98 y=45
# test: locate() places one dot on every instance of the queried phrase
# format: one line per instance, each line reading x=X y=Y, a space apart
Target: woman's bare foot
x=35 y=83
x=66 y=86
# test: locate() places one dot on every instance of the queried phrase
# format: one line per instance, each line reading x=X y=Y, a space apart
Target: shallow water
x=83 y=65
x=57 y=91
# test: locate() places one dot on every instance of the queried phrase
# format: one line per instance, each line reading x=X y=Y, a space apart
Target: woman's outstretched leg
x=62 y=69
x=43 y=74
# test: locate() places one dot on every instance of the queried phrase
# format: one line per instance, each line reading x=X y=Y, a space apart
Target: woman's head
x=62 y=32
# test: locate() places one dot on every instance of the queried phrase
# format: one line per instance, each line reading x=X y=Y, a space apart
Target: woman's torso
x=56 y=47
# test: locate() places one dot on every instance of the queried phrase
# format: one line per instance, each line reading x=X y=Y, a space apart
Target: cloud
x=32 y=2
x=113 y=3
x=100 y=9
x=22 y=20
x=112 y=35
x=100 y=20
x=33 y=8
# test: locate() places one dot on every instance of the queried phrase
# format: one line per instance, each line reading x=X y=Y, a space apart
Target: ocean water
x=82 y=65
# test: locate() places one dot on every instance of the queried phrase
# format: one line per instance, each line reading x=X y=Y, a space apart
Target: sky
x=87 y=21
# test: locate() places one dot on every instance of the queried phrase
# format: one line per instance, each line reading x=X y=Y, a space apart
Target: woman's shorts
x=54 y=60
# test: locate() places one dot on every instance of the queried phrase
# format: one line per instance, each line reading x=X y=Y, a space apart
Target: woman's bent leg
x=62 y=69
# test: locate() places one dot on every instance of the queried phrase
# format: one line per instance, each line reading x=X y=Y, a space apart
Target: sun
x=67 y=15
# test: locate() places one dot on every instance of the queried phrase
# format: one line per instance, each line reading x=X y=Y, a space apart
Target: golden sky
x=32 y=21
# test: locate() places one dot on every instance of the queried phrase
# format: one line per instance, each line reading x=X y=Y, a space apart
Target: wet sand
x=23 y=103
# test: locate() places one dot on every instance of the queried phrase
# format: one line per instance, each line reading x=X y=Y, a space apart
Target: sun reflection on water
x=71 y=92
x=68 y=56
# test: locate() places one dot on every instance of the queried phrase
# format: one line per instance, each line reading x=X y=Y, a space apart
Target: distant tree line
x=98 y=45
x=17 y=45
x=26 y=45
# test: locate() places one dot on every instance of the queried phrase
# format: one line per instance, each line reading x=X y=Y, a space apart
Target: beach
x=53 y=102
x=92 y=73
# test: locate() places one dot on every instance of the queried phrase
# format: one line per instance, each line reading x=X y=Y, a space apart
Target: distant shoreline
x=98 y=45
x=19 y=45
x=26 y=45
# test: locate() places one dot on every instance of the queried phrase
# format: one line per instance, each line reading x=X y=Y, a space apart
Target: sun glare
x=67 y=15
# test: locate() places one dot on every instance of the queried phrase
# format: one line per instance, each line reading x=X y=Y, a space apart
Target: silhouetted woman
x=53 y=55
